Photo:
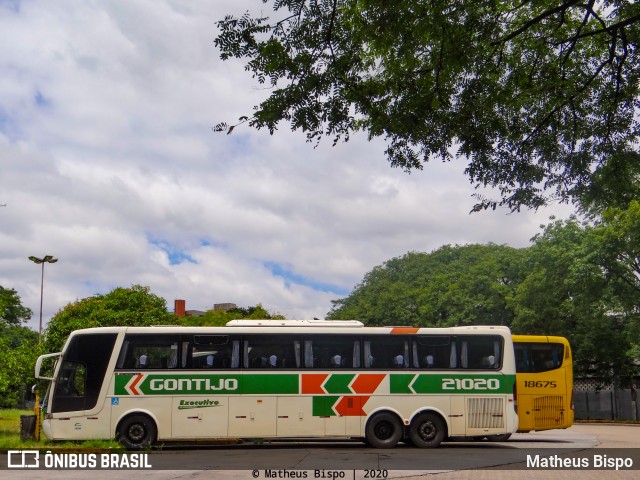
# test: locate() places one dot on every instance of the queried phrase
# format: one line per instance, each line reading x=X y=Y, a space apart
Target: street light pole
x=42 y=261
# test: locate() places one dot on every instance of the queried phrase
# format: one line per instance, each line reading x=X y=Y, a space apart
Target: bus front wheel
x=137 y=432
x=427 y=430
x=384 y=430
x=499 y=438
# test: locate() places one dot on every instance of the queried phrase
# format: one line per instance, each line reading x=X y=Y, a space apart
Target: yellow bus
x=282 y=379
x=544 y=382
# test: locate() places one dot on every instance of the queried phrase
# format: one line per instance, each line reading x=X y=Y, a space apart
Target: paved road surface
x=455 y=460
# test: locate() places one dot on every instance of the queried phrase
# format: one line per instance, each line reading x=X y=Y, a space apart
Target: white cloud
x=108 y=162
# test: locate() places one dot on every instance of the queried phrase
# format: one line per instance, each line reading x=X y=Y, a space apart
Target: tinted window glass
x=82 y=372
x=538 y=357
x=143 y=352
x=386 y=352
x=434 y=351
x=332 y=352
x=214 y=352
x=480 y=352
x=271 y=351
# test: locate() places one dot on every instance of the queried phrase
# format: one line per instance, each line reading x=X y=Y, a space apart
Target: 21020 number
x=470 y=384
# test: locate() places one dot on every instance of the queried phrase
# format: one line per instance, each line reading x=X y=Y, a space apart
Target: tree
x=135 y=306
x=569 y=291
x=221 y=317
x=19 y=350
x=539 y=97
x=458 y=285
x=618 y=237
x=16 y=368
x=12 y=312
x=577 y=280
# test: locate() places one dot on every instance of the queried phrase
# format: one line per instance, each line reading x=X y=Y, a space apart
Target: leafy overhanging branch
x=537 y=96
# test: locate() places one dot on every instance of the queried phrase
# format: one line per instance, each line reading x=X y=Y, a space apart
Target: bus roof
x=539 y=339
x=295 y=323
x=298 y=326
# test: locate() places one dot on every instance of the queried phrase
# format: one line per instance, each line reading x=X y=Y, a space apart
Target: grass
x=10 y=437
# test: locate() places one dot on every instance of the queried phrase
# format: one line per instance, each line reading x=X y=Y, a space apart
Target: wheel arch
x=137 y=411
x=434 y=411
x=379 y=410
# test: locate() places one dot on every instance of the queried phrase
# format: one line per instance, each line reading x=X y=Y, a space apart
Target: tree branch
x=535 y=20
x=609 y=29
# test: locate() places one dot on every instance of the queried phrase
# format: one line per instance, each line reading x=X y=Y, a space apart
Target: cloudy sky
x=108 y=162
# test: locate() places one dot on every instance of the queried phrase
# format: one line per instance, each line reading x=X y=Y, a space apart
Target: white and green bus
x=284 y=379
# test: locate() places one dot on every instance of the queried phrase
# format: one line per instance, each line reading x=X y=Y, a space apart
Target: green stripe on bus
x=399 y=383
x=163 y=384
x=289 y=384
x=339 y=383
x=451 y=383
x=265 y=383
x=323 y=406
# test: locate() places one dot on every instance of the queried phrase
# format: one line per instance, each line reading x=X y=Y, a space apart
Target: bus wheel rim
x=384 y=430
x=136 y=433
x=427 y=430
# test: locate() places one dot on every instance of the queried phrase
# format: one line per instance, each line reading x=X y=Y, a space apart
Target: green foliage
x=618 y=237
x=120 y=307
x=19 y=350
x=539 y=97
x=221 y=317
x=451 y=286
x=577 y=280
x=12 y=312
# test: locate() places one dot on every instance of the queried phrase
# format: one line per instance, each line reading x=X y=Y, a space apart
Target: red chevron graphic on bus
x=367 y=382
x=312 y=382
x=133 y=383
x=350 y=406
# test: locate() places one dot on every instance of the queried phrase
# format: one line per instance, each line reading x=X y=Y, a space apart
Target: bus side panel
x=200 y=417
x=543 y=403
x=157 y=407
x=296 y=419
x=79 y=426
x=253 y=416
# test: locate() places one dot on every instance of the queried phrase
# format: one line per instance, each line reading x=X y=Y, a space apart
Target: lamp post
x=42 y=261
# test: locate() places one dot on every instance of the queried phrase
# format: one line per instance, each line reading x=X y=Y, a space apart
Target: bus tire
x=137 y=432
x=499 y=438
x=427 y=430
x=384 y=430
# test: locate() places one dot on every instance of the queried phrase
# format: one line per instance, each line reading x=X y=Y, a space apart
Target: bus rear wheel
x=427 y=430
x=384 y=430
x=137 y=432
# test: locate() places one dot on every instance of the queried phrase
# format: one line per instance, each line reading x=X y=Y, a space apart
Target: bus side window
x=521 y=352
x=434 y=351
x=272 y=351
x=215 y=352
x=149 y=352
x=332 y=352
x=386 y=351
x=369 y=359
x=480 y=352
x=546 y=357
